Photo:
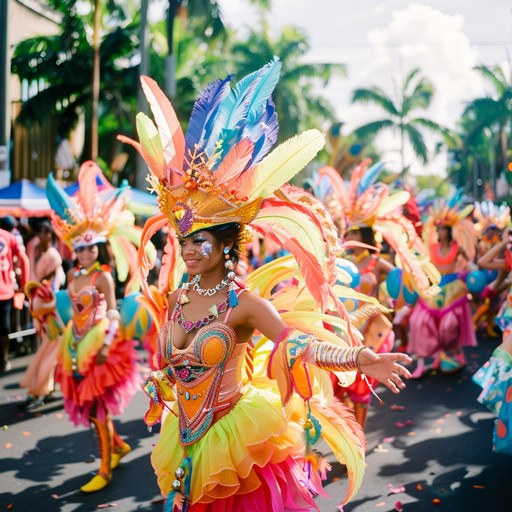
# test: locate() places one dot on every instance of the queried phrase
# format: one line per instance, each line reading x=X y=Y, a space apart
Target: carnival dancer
x=230 y=445
x=491 y=220
x=369 y=214
x=97 y=368
x=495 y=376
x=46 y=277
x=442 y=325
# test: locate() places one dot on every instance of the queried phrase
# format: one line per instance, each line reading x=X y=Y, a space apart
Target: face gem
x=206 y=248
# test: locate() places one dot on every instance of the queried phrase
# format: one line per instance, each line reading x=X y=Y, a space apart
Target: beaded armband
x=329 y=357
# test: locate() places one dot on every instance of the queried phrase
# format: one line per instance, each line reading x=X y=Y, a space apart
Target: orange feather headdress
x=363 y=202
x=452 y=212
x=222 y=171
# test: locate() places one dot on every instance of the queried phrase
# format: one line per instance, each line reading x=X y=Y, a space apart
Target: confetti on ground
x=6 y=427
x=380 y=504
x=388 y=439
x=396 y=407
x=478 y=486
x=380 y=449
x=336 y=478
x=398 y=506
x=10 y=506
x=59 y=415
x=419 y=487
x=440 y=420
x=107 y=505
x=436 y=501
x=411 y=433
x=8 y=446
x=395 y=490
x=27 y=434
x=402 y=424
x=438 y=430
x=55 y=496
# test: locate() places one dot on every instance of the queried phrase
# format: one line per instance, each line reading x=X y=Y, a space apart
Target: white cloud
x=381 y=41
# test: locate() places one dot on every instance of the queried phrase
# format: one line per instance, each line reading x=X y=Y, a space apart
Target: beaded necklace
x=81 y=271
x=188 y=325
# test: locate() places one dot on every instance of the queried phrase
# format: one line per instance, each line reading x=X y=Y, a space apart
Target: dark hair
x=448 y=229
x=367 y=235
x=44 y=226
x=229 y=234
x=103 y=256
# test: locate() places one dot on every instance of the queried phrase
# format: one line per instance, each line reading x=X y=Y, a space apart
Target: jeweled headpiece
x=90 y=217
x=222 y=171
x=452 y=212
x=364 y=202
x=487 y=214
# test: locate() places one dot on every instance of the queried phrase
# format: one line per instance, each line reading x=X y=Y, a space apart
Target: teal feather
x=60 y=202
x=369 y=177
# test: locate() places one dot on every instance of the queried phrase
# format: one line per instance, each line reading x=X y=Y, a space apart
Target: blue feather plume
x=204 y=113
x=369 y=177
x=243 y=107
x=60 y=202
x=263 y=134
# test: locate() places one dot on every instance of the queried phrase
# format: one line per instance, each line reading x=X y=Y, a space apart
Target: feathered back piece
x=364 y=202
x=90 y=218
x=487 y=214
x=222 y=171
x=452 y=212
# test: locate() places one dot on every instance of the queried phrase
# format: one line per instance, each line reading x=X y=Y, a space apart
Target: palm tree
x=63 y=68
x=491 y=117
x=415 y=93
x=297 y=101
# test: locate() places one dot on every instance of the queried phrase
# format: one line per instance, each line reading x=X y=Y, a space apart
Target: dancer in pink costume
x=442 y=324
x=495 y=376
x=46 y=277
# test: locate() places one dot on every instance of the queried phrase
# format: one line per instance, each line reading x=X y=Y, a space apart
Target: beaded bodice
x=89 y=306
x=207 y=375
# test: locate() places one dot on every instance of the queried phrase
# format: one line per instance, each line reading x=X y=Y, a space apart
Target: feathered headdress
x=221 y=171
x=452 y=212
x=89 y=218
x=364 y=202
x=487 y=214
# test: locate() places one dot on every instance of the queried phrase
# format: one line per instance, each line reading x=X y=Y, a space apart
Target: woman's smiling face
x=86 y=256
x=200 y=252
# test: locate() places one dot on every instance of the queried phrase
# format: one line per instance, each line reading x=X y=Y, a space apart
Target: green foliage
x=415 y=93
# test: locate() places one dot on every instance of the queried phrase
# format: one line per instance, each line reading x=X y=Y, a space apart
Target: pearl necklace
x=209 y=292
x=80 y=271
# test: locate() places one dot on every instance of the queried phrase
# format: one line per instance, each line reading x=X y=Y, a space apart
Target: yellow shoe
x=97 y=482
x=118 y=453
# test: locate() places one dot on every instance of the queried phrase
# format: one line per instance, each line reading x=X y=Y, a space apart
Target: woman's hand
x=102 y=355
x=387 y=368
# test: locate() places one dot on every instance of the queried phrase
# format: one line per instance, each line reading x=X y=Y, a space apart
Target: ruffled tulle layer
x=107 y=387
x=262 y=470
x=495 y=379
x=443 y=322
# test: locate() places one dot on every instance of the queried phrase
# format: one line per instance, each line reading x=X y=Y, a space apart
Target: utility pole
x=4 y=73
x=141 y=168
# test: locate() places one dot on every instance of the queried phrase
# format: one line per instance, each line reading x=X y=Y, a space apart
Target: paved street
x=429 y=449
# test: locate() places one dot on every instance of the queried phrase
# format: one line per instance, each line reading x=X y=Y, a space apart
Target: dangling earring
x=229 y=262
x=230 y=266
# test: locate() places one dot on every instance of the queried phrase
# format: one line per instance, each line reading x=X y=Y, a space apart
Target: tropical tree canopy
x=415 y=93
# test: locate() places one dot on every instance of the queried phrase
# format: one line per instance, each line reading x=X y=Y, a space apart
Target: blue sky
x=380 y=41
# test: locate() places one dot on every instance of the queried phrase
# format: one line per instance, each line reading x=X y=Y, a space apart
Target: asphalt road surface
x=429 y=449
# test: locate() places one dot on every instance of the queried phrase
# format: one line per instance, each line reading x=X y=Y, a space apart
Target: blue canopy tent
x=24 y=199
